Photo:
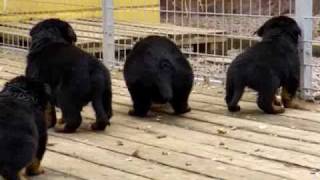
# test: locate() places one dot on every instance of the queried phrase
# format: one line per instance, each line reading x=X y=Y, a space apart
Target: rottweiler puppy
x=23 y=127
x=156 y=71
x=75 y=77
x=267 y=66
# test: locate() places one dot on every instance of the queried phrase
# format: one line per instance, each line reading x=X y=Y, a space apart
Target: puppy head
x=54 y=28
x=35 y=90
x=280 y=25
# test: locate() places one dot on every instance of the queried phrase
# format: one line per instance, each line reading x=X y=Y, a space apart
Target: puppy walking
x=267 y=66
x=75 y=77
x=23 y=128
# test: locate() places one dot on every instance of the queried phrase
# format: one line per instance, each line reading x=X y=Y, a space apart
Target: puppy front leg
x=71 y=116
x=34 y=168
x=50 y=115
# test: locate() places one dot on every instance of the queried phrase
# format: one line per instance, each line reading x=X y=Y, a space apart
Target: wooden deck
x=207 y=143
x=89 y=32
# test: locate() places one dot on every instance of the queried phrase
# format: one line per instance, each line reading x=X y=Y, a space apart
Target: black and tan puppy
x=23 y=128
x=156 y=71
x=75 y=77
x=267 y=66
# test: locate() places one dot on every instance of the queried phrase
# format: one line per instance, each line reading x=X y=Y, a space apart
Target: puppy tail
x=234 y=91
x=165 y=92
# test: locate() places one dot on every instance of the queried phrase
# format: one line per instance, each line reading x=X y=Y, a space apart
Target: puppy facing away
x=157 y=72
x=75 y=77
x=267 y=66
x=23 y=128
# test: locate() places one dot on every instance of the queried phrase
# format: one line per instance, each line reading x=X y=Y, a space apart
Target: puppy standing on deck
x=267 y=66
x=75 y=77
x=23 y=128
x=156 y=71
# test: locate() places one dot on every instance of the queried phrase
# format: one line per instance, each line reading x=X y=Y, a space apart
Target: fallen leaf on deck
x=221 y=131
x=161 y=136
x=136 y=153
x=119 y=143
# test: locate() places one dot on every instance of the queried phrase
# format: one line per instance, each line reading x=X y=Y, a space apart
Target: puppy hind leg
x=102 y=119
x=288 y=93
x=179 y=102
x=72 y=118
x=140 y=107
x=50 y=115
x=141 y=101
x=266 y=101
x=34 y=168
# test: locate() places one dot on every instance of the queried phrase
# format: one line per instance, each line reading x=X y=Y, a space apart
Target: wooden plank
x=193 y=164
x=257 y=132
x=77 y=167
x=299 y=114
x=22 y=30
x=201 y=136
x=133 y=139
x=54 y=175
x=292 y=119
x=124 y=162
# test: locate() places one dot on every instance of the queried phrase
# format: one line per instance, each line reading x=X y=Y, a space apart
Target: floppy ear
x=260 y=31
x=296 y=30
x=34 y=30
x=71 y=34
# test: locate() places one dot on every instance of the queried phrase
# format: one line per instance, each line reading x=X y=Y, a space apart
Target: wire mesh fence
x=209 y=32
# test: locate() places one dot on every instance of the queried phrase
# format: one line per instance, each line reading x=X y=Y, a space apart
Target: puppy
x=156 y=71
x=267 y=66
x=75 y=77
x=23 y=128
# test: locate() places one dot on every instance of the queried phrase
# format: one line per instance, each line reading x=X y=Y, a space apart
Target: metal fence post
x=303 y=13
x=108 y=34
x=5 y=3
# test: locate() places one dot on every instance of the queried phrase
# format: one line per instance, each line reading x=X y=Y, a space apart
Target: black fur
x=23 y=128
x=157 y=71
x=268 y=65
x=75 y=77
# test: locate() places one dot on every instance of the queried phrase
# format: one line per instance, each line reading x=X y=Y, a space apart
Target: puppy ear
x=297 y=30
x=71 y=34
x=34 y=30
x=260 y=31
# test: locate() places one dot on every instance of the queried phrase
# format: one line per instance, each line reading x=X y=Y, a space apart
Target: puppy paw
x=63 y=129
x=35 y=172
x=188 y=109
x=277 y=101
x=34 y=169
x=99 y=126
x=132 y=112
x=278 y=109
x=234 y=108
